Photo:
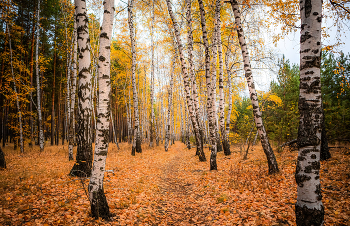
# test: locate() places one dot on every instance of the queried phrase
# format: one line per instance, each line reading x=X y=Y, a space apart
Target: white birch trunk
x=226 y=142
x=82 y=167
x=98 y=201
x=193 y=76
x=309 y=209
x=152 y=128
x=136 y=146
x=210 y=93
x=186 y=81
x=271 y=159
x=72 y=98
x=38 y=85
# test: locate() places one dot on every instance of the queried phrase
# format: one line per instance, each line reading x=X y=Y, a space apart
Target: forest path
x=176 y=195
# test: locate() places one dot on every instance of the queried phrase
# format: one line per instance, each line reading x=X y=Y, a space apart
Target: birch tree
x=72 y=98
x=309 y=209
x=170 y=106
x=82 y=166
x=136 y=145
x=271 y=159
x=38 y=86
x=225 y=141
x=225 y=144
x=211 y=113
x=152 y=129
x=186 y=79
x=98 y=201
x=193 y=76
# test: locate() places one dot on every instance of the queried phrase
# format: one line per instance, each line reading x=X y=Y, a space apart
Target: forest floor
x=166 y=188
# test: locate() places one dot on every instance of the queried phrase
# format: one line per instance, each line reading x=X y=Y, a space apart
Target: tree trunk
x=225 y=140
x=82 y=167
x=41 y=133
x=2 y=160
x=53 y=96
x=136 y=146
x=210 y=92
x=193 y=77
x=225 y=145
x=325 y=154
x=72 y=99
x=186 y=82
x=170 y=106
x=17 y=100
x=98 y=201
x=151 y=130
x=309 y=209
x=271 y=159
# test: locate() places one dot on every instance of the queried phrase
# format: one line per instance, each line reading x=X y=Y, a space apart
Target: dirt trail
x=177 y=197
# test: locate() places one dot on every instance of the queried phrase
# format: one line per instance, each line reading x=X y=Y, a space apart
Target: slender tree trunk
x=210 y=93
x=38 y=89
x=136 y=146
x=186 y=79
x=225 y=140
x=271 y=159
x=58 y=124
x=72 y=98
x=2 y=160
x=225 y=145
x=325 y=154
x=82 y=167
x=17 y=99
x=152 y=128
x=113 y=126
x=31 y=86
x=309 y=209
x=170 y=106
x=53 y=95
x=99 y=205
x=193 y=76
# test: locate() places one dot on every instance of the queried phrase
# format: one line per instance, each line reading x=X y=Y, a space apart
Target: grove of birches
x=197 y=80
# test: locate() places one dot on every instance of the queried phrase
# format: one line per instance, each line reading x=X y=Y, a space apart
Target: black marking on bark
x=99 y=205
x=301 y=158
x=305 y=37
x=307 y=8
x=300 y=179
x=313 y=156
x=102 y=58
x=104 y=35
x=306 y=216
x=310 y=62
x=305 y=51
x=318 y=192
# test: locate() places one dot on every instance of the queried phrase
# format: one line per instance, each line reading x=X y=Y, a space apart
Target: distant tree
x=335 y=78
x=2 y=160
x=282 y=122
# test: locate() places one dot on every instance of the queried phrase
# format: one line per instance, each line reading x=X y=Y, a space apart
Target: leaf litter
x=166 y=188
